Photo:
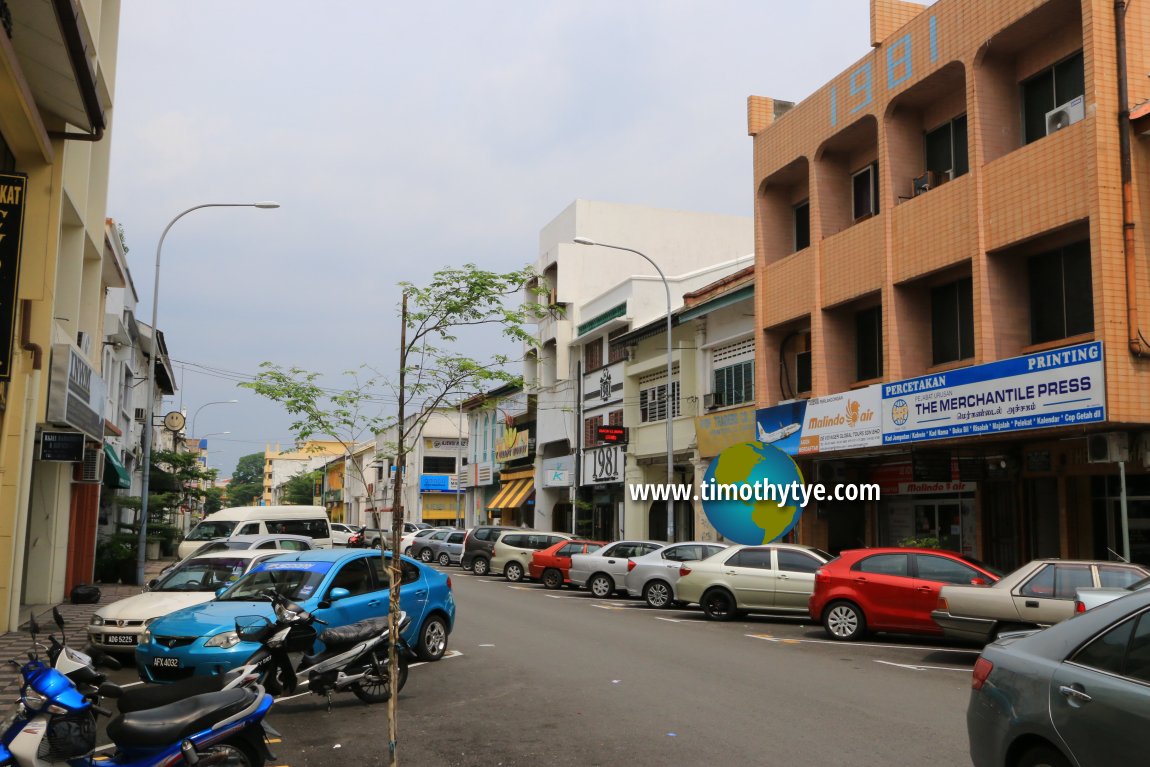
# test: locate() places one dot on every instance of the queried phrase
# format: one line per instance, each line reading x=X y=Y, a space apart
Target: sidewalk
x=16 y=644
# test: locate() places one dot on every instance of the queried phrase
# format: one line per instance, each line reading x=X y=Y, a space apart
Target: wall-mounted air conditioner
x=91 y=469
x=1065 y=114
x=1108 y=448
x=713 y=400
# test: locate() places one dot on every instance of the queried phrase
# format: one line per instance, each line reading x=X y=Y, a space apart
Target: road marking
x=914 y=667
x=608 y=607
x=679 y=620
x=562 y=596
x=521 y=588
x=486 y=645
x=771 y=638
x=305 y=683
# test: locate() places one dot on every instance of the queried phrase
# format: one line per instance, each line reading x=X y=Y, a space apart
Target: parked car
x=551 y=565
x=310 y=521
x=773 y=578
x=477 y=547
x=1072 y=694
x=116 y=627
x=370 y=537
x=446 y=550
x=1039 y=593
x=341 y=586
x=1089 y=598
x=420 y=549
x=653 y=576
x=340 y=533
x=244 y=542
x=888 y=589
x=513 y=550
x=407 y=542
x=602 y=571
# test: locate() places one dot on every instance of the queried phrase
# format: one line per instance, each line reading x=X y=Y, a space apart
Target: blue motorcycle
x=54 y=723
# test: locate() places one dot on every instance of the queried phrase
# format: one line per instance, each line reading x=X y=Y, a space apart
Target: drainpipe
x=1136 y=342
x=68 y=19
x=24 y=479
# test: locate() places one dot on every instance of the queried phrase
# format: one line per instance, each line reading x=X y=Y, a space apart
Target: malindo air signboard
x=823 y=424
x=1039 y=391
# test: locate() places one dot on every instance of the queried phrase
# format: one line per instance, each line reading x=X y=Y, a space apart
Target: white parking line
x=913 y=667
x=771 y=638
x=305 y=683
x=678 y=620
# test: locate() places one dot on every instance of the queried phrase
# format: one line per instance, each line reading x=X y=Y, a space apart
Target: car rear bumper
x=964 y=627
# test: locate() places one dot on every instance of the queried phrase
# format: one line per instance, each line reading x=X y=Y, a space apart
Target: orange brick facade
x=930 y=66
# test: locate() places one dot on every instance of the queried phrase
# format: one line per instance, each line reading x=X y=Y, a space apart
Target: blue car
x=202 y=641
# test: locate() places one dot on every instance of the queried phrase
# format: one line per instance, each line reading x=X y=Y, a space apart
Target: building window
x=864 y=192
x=946 y=150
x=802 y=213
x=653 y=396
x=952 y=321
x=593 y=355
x=734 y=384
x=1048 y=89
x=1061 y=293
x=615 y=418
x=591 y=430
x=616 y=352
x=868 y=344
x=438 y=464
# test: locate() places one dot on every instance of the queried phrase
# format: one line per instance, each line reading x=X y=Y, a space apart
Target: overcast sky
x=404 y=137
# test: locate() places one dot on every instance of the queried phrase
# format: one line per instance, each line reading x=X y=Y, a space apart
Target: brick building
x=947 y=300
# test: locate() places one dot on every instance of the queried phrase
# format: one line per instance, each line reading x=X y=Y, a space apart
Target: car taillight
x=982 y=669
x=943 y=605
x=449 y=583
x=1079 y=606
x=821 y=576
x=684 y=570
x=630 y=565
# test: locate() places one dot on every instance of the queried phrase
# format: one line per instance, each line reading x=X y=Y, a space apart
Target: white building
x=434 y=454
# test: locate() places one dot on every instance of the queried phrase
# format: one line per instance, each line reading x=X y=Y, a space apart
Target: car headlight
x=224 y=640
x=96 y=621
x=146 y=637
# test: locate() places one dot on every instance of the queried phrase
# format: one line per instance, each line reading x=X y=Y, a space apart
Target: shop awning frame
x=115 y=475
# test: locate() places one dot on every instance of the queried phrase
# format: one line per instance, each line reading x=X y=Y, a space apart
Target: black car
x=477 y=547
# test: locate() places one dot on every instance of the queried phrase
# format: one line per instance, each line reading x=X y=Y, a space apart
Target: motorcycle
x=54 y=721
x=354 y=658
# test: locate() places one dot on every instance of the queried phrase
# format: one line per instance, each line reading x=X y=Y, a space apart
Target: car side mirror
x=337 y=594
x=153 y=583
x=977 y=581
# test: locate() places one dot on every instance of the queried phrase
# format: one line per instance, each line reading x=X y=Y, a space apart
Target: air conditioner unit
x=713 y=400
x=1065 y=114
x=141 y=414
x=91 y=469
x=1108 y=448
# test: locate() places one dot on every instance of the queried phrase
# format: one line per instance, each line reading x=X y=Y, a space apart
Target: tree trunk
x=396 y=535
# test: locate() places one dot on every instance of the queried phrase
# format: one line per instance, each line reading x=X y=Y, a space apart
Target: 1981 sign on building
x=12 y=187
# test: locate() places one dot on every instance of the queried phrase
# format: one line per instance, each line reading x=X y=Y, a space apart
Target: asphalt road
x=560 y=678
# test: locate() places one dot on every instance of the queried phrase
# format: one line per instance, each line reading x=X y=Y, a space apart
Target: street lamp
x=670 y=405
x=201 y=407
x=151 y=389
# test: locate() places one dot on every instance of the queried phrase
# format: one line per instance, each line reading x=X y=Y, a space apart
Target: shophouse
x=282 y=465
x=680 y=242
x=493 y=475
x=436 y=446
x=362 y=488
x=951 y=259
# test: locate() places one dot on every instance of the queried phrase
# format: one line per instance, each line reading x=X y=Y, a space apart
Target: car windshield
x=294 y=580
x=205 y=531
x=206 y=574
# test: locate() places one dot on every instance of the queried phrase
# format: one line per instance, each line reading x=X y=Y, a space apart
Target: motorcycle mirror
x=337 y=594
x=58 y=618
x=324 y=604
x=33 y=626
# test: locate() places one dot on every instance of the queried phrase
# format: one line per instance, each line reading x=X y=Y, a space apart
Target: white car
x=603 y=572
x=340 y=533
x=653 y=576
x=116 y=627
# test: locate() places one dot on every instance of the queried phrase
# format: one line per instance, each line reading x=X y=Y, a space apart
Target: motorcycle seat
x=167 y=725
x=156 y=695
x=345 y=636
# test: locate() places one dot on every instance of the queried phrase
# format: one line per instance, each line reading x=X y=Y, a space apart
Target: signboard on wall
x=512 y=445
x=557 y=472
x=75 y=392
x=12 y=188
x=62 y=446
x=719 y=431
x=823 y=424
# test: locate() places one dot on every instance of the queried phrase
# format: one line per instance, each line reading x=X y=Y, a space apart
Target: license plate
x=166 y=662
x=120 y=639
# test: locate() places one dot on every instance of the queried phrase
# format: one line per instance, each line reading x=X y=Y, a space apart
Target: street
x=563 y=678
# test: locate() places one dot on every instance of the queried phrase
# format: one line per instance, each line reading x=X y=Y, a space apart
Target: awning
x=115 y=475
x=512 y=494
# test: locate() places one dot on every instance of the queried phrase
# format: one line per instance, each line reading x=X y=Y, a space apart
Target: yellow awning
x=512 y=494
x=438 y=514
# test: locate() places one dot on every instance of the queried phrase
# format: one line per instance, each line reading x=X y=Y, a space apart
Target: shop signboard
x=718 y=431
x=12 y=186
x=75 y=393
x=603 y=465
x=438 y=483
x=512 y=446
x=558 y=472
x=823 y=424
x=1056 y=388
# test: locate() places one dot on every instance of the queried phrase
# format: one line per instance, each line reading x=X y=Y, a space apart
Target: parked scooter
x=354 y=658
x=53 y=723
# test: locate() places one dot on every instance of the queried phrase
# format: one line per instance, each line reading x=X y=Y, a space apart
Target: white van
x=259 y=520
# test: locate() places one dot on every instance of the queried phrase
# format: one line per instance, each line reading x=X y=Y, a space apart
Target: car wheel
x=425 y=555
x=513 y=572
x=552 y=578
x=657 y=594
x=479 y=566
x=718 y=605
x=432 y=639
x=1043 y=756
x=407 y=551
x=601 y=586
x=445 y=559
x=844 y=621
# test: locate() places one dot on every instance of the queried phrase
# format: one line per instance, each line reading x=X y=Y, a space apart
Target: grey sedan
x=446 y=549
x=653 y=576
x=1073 y=694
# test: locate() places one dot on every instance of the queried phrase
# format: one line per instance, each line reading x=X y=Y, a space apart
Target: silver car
x=421 y=547
x=653 y=576
x=602 y=572
x=446 y=549
x=1072 y=694
x=1089 y=598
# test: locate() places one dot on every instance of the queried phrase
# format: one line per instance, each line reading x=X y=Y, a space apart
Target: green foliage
x=115 y=556
x=243 y=495
x=249 y=470
x=300 y=489
x=920 y=543
x=213 y=499
x=177 y=479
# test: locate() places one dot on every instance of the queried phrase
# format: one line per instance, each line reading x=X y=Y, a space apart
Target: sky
x=404 y=137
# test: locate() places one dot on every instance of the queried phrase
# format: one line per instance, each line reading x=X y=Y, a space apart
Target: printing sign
x=1056 y=388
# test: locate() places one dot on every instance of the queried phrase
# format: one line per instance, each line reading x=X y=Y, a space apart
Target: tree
x=429 y=372
x=247 y=480
x=300 y=489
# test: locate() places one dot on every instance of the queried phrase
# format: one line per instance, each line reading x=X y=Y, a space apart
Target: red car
x=552 y=564
x=889 y=589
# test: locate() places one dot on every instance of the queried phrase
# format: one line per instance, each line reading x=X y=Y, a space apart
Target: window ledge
x=1081 y=338
x=867 y=382
x=953 y=365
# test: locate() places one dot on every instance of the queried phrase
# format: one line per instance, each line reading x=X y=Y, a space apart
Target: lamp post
x=458 y=477
x=670 y=404
x=141 y=553
x=201 y=407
